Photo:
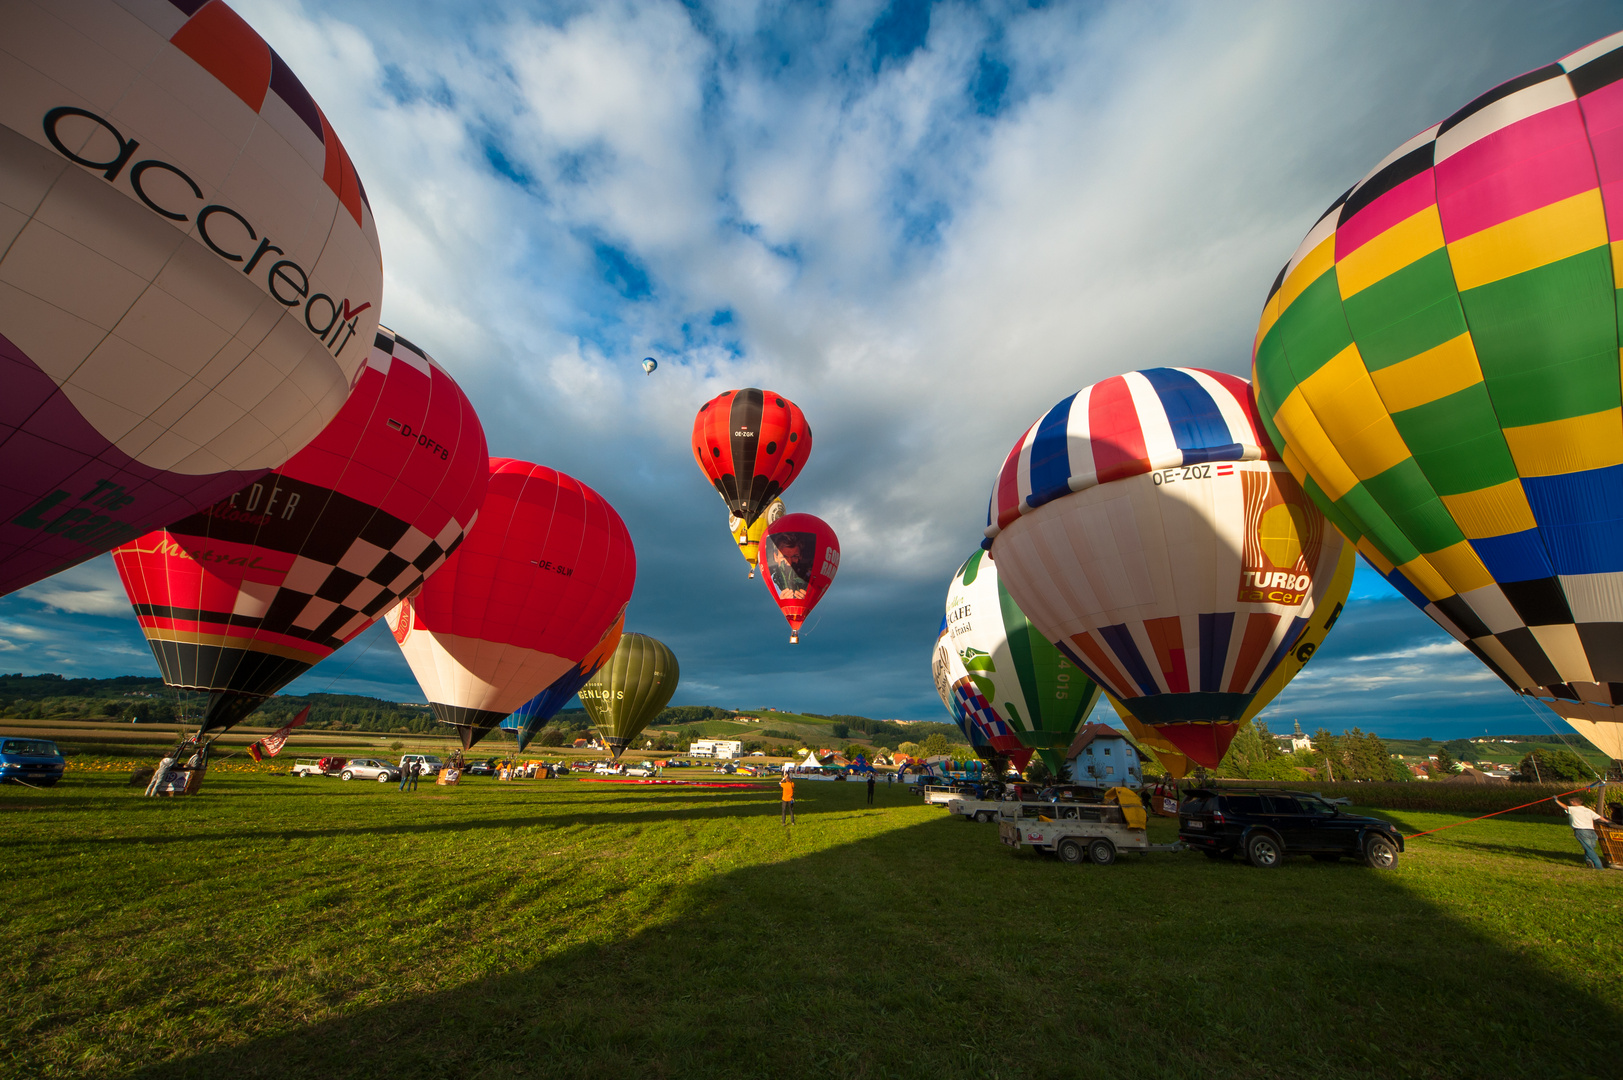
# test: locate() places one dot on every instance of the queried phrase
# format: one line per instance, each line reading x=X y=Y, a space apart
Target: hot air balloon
x=545 y=572
x=1147 y=528
x=1438 y=364
x=1036 y=693
x=799 y=557
x=191 y=272
x=649 y=365
x=970 y=710
x=240 y=598
x=751 y=444
x=747 y=535
x=630 y=690
x=531 y=716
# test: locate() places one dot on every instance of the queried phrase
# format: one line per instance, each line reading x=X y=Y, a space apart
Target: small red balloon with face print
x=799 y=557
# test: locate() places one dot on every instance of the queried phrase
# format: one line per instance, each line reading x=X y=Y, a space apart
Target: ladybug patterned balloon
x=241 y=598
x=799 y=557
x=751 y=444
x=190 y=275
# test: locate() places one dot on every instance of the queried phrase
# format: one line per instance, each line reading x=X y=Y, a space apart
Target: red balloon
x=751 y=445
x=799 y=557
x=540 y=582
x=243 y=597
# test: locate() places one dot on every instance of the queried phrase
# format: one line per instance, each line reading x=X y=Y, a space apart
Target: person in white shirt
x=1583 y=825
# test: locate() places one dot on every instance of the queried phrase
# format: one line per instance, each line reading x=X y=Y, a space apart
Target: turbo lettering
x=333 y=322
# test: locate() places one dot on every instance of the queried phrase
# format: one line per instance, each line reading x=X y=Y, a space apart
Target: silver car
x=365 y=768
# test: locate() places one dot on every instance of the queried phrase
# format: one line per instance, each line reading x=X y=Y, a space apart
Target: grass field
x=275 y=927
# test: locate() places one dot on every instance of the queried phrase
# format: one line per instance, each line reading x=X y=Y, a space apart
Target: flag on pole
x=272 y=744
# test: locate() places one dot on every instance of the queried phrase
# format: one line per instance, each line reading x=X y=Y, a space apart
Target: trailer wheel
x=1102 y=852
x=1072 y=852
x=983 y=816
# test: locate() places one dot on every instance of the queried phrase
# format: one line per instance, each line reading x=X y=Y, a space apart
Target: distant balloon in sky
x=630 y=690
x=1147 y=528
x=543 y=575
x=751 y=445
x=1037 y=695
x=190 y=278
x=747 y=535
x=799 y=557
x=1438 y=364
x=241 y=598
x=649 y=365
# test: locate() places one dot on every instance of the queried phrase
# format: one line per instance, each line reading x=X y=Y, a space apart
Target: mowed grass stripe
x=280 y=927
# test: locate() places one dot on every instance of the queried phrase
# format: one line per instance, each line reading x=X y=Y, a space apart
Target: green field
x=276 y=927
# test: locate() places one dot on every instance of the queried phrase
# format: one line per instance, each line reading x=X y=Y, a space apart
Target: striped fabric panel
x=224 y=45
x=1112 y=656
x=1125 y=426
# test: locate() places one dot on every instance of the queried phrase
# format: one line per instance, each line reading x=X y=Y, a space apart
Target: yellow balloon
x=748 y=536
x=1172 y=760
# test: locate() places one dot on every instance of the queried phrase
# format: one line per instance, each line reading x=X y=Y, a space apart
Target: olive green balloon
x=630 y=689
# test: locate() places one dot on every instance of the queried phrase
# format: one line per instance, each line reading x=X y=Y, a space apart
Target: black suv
x=1267 y=826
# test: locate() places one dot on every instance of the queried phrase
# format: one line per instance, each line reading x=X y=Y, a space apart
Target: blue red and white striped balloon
x=1146 y=526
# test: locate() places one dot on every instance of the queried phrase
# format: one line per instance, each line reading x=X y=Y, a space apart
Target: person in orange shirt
x=788 y=786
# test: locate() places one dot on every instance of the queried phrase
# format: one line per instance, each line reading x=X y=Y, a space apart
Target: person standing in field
x=788 y=787
x=415 y=769
x=1583 y=819
x=870 y=788
x=405 y=774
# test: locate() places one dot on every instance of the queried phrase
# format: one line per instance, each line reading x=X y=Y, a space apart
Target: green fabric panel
x=1350 y=529
x=632 y=688
x=1313 y=329
x=1402 y=491
x=1058 y=695
x=1403 y=315
x=1274 y=379
x=1457 y=441
x=971 y=567
x=1377 y=525
x=1547 y=340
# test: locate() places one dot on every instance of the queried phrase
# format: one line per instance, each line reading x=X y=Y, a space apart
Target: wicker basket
x=1609 y=842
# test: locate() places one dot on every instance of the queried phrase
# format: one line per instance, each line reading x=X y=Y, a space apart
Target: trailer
x=971 y=809
x=1080 y=832
x=327 y=766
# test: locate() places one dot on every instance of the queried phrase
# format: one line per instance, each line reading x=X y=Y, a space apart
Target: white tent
x=811 y=761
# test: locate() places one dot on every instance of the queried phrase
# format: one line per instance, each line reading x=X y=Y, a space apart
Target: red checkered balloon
x=246 y=595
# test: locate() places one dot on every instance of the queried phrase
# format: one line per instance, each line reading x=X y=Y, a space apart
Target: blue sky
x=925 y=223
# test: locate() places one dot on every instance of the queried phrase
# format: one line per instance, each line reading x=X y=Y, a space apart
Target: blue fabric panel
x=1298 y=624
x=1215 y=631
x=1519 y=556
x=1132 y=661
x=1579 y=516
x=1051 y=456
x=1197 y=423
x=1410 y=593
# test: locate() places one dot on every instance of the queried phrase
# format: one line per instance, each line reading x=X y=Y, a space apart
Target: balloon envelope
x=747 y=534
x=246 y=595
x=1037 y=694
x=751 y=444
x=799 y=557
x=531 y=716
x=631 y=689
x=547 y=569
x=1145 y=526
x=190 y=275
x=1438 y=363
x=649 y=365
x=969 y=709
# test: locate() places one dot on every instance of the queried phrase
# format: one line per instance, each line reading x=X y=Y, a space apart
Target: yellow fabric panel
x=1297 y=468
x=1390 y=252
x=1313 y=265
x=1606 y=736
x=1491 y=511
x=1436 y=373
x=1576 y=444
x=1566 y=651
x=1536 y=238
x=1376 y=559
x=1460 y=566
x=1353 y=415
x=1617 y=265
x=1423 y=576
x=1302 y=431
x=1176 y=764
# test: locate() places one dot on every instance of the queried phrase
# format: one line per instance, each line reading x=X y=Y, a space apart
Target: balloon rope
x=1496 y=813
x=1529 y=703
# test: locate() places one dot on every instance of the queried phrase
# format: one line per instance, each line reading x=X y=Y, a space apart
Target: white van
x=431 y=764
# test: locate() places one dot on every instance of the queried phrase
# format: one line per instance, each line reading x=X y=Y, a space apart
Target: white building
x=1100 y=755
x=1290 y=743
x=716 y=748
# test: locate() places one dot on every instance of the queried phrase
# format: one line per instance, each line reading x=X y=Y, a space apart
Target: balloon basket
x=1609 y=841
x=172 y=778
x=794 y=639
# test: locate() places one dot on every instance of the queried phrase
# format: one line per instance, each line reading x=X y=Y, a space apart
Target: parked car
x=1269 y=826
x=431 y=764
x=31 y=761
x=366 y=768
x=486 y=767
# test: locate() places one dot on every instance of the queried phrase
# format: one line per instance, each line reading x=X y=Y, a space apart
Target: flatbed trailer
x=1080 y=832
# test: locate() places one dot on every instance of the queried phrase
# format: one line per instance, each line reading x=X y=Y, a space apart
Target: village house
x=1101 y=756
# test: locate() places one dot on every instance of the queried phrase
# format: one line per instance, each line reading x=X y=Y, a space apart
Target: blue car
x=34 y=761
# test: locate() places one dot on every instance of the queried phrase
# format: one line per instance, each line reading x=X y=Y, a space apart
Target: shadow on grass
x=931 y=951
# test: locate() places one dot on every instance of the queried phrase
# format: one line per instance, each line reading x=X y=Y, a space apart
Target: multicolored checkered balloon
x=1439 y=364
